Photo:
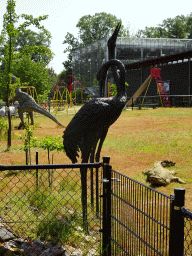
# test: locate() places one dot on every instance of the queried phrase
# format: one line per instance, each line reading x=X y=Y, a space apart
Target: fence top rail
x=143 y=185
x=50 y=166
x=186 y=213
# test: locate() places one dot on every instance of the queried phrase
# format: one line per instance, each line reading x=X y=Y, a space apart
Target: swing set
x=63 y=92
x=156 y=74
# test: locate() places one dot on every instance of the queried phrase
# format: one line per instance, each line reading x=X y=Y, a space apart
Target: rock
x=37 y=241
x=92 y=252
x=5 y=235
x=36 y=248
x=160 y=176
x=70 y=210
x=73 y=251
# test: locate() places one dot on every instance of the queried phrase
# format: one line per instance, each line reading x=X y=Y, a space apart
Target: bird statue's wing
x=89 y=122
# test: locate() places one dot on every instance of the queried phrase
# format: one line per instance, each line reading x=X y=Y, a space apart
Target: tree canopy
x=98 y=26
x=35 y=41
x=91 y=29
x=177 y=27
x=23 y=52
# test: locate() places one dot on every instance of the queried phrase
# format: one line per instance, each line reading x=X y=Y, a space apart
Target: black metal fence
x=123 y=216
x=138 y=220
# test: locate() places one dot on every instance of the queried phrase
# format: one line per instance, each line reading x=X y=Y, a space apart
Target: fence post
x=106 y=207
x=176 y=240
x=37 y=161
x=26 y=156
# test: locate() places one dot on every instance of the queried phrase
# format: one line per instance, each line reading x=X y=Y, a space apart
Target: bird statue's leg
x=102 y=138
x=96 y=182
x=85 y=158
x=92 y=156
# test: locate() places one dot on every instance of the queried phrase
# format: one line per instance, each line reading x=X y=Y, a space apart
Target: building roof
x=158 y=61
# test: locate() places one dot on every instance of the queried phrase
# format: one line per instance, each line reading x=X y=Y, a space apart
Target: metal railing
x=139 y=217
x=138 y=220
x=156 y=101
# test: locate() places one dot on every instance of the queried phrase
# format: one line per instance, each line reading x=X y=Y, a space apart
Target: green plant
x=50 y=143
x=3 y=127
x=114 y=88
x=27 y=141
x=55 y=230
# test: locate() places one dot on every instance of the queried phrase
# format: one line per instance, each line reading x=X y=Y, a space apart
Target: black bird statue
x=91 y=123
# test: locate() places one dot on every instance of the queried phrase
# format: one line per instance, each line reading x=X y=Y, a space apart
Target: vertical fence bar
x=171 y=232
x=109 y=209
x=92 y=194
x=177 y=224
x=37 y=161
x=106 y=232
x=97 y=192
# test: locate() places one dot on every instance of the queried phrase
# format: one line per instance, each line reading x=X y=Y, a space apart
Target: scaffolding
x=88 y=59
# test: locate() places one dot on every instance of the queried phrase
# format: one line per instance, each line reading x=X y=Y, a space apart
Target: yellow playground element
x=154 y=73
x=63 y=92
x=31 y=90
x=59 y=102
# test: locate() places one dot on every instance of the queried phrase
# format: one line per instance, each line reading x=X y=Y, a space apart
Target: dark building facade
x=176 y=75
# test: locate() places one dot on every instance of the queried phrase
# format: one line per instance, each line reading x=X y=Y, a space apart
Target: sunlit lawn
x=134 y=143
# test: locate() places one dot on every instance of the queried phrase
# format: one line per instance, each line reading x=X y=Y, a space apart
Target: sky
x=65 y=14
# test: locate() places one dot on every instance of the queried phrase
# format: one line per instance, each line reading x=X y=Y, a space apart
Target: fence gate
x=138 y=215
x=140 y=221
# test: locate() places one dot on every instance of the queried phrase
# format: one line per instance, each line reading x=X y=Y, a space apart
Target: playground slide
x=139 y=91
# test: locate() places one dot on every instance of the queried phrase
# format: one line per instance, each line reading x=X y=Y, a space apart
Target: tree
x=151 y=32
x=98 y=26
x=189 y=26
x=176 y=27
x=37 y=41
x=32 y=73
x=170 y=28
x=72 y=44
x=10 y=18
x=28 y=46
x=7 y=40
x=91 y=28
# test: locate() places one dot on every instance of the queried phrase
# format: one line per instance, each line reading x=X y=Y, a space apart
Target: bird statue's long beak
x=113 y=38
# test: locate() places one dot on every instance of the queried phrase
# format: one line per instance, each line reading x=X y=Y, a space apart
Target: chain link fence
x=187 y=231
x=45 y=204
